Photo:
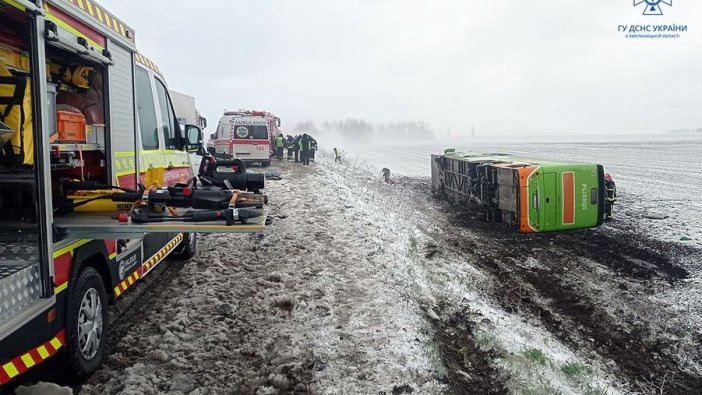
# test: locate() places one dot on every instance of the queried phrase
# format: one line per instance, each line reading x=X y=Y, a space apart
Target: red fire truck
x=85 y=123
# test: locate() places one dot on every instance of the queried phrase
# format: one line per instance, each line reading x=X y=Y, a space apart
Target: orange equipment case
x=70 y=127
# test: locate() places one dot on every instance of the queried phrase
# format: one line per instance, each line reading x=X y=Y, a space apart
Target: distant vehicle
x=528 y=196
x=245 y=135
x=186 y=111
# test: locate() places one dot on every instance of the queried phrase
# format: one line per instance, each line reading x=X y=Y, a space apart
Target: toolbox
x=70 y=127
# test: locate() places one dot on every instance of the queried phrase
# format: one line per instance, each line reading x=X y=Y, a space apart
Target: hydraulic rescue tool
x=232 y=176
x=222 y=199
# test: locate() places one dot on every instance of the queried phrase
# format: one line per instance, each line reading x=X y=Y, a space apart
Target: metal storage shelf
x=104 y=226
x=77 y=147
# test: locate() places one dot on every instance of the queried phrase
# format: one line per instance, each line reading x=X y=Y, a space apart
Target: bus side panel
x=122 y=118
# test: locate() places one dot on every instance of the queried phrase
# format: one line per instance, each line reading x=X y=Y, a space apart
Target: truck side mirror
x=194 y=138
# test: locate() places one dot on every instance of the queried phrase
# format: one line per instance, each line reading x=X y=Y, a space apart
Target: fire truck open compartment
x=20 y=236
x=77 y=109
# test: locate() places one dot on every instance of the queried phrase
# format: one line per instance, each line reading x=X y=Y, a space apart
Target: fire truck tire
x=86 y=323
x=186 y=249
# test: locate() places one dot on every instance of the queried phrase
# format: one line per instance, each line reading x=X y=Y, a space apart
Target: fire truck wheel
x=86 y=323
x=186 y=249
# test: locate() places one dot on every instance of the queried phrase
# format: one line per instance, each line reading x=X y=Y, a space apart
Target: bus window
x=168 y=118
x=147 y=110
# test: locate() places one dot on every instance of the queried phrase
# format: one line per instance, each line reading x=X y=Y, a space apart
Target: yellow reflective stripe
x=90 y=8
x=66 y=26
x=81 y=5
x=113 y=255
x=70 y=247
x=43 y=353
x=55 y=343
x=118 y=291
x=98 y=11
x=14 y=4
x=28 y=360
x=10 y=369
x=60 y=288
x=125 y=173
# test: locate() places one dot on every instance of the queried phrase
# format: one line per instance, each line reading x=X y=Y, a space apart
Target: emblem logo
x=242 y=131
x=653 y=7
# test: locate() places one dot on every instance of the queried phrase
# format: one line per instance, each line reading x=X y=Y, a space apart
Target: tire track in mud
x=126 y=310
x=470 y=369
x=568 y=312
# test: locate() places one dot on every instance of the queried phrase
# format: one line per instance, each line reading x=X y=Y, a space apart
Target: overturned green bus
x=524 y=195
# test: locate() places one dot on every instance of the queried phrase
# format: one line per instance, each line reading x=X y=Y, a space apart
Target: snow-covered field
x=659 y=178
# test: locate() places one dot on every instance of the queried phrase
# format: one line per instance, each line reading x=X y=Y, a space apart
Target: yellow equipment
x=16 y=112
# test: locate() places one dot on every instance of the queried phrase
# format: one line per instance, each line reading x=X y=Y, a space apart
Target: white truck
x=186 y=111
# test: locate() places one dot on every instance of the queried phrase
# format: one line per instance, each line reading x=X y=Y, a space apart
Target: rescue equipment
x=17 y=148
x=235 y=178
x=159 y=204
x=70 y=124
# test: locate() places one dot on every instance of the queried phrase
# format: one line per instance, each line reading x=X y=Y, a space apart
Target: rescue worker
x=337 y=156
x=296 y=147
x=611 y=192
x=279 y=146
x=289 y=146
x=386 y=175
x=313 y=147
x=305 y=149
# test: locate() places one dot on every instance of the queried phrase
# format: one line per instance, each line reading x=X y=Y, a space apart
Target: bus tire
x=86 y=324
x=187 y=248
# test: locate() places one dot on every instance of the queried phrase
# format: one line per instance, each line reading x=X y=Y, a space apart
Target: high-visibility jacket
x=16 y=112
x=280 y=141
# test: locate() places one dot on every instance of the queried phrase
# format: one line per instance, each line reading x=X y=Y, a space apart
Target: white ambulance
x=245 y=135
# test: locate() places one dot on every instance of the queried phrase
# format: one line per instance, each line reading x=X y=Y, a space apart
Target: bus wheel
x=186 y=249
x=87 y=323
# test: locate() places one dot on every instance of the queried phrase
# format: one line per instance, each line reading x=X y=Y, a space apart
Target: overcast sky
x=507 y=66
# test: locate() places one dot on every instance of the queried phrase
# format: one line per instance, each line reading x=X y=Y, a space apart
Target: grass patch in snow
x=486 y=341
x=597 y=390
x=412 y=245
x=576 y=370
x=535 y=355
x=542 y=386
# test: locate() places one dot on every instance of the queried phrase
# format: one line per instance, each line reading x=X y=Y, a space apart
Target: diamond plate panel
x=26 y=252
x=20 y=286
